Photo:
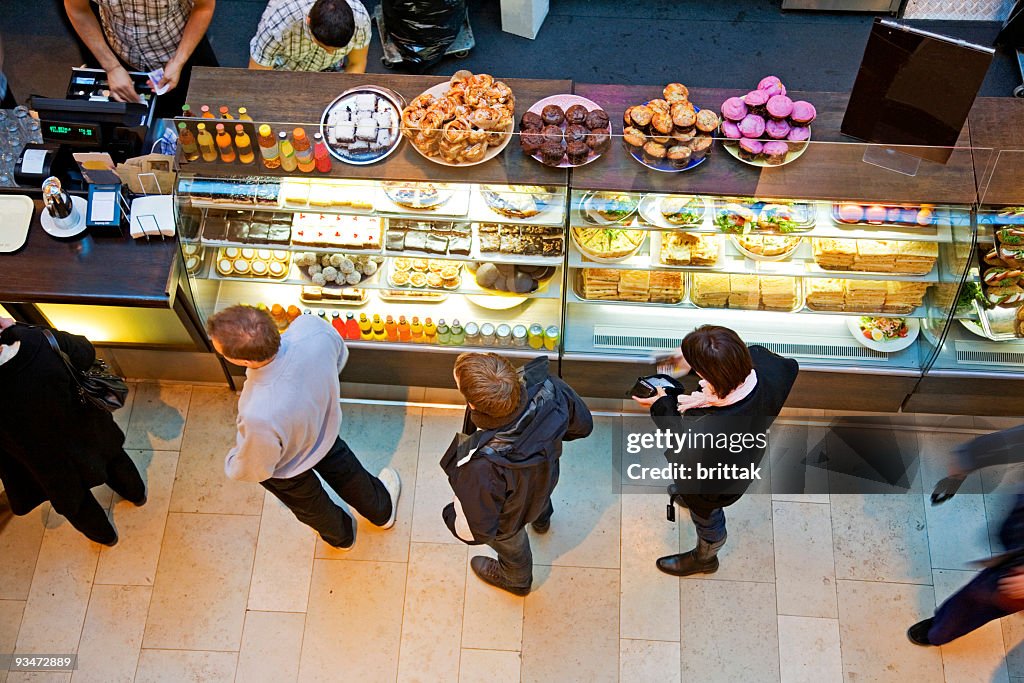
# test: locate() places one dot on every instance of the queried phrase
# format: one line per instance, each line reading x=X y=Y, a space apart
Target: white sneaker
x=393 y=483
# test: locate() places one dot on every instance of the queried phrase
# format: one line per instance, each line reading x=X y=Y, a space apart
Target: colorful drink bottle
x=207 y=148
x=458 y=334
x=186 y=110
x=404 y=331
x=303 y=150
x=444 y=334
x=206 y=113
x=391 y=329
x=429 y=331
x=416 y=331
x=288 y=162
x=244 y=145
x=321 y=156
x=351 y=327
x=225 y=113
x=268 y=147
x=378 y=328
x=243 y=114
x=365 y=328
x=338 y=324
x=189 y=146
x=224 y=146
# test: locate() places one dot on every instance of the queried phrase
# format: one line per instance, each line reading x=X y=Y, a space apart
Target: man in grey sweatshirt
x=289 y=418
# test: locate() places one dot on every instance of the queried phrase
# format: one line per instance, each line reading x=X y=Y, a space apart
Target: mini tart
x=248 y=253
x=191 y=263
x=434 y=280
x=402 y=264
x=449 y=272
x=419 y=265
x=263 y=254
x=190 y=249
x=400 y=278
x=435 y=266
x=276 y=268
x=224 y=266
x=259 y=268
x=231 y=253
x=418 y=280
x=453 y=283
x=279 y=255
x=241 y=266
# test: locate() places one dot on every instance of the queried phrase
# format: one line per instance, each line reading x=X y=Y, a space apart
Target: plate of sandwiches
x=766 y=247
x=608 y=208
x=685 y=249
x=635 y=286
x=418 y=196
x=361 y=126
x=673 y=210
x=516 y=202
x=863 y=296
x=875 y=256
x=746 y=291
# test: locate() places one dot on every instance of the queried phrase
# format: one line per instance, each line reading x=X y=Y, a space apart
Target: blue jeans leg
x=969 y=608
x=515 y=558
x=710 y=529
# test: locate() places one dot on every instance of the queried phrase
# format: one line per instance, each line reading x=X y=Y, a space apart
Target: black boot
x=701 y=560
x=490 y=572
x=918 y=633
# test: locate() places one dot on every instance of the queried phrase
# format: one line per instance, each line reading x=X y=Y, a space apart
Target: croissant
x=474 y=153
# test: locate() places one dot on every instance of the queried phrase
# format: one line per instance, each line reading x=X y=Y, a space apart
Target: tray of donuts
x=563 y=131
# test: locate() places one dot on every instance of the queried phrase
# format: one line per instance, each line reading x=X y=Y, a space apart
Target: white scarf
x=706 y=397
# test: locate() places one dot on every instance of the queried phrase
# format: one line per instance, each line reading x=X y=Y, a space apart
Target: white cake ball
x=319 y=280
x=314 y=269
x=330 y=273
x=337 y=259
x=353 y=278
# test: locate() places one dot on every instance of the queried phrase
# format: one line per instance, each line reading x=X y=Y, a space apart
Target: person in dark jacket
x=504 y=471
x=747 y=386
x=52 y=446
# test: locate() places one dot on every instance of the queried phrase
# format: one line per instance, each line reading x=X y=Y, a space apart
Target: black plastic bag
x=422 y=30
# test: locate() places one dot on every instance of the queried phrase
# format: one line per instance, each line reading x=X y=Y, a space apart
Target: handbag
x=97 y=386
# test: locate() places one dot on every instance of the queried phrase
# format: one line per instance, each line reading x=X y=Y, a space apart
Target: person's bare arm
x=195 y=29
x=88 y=29
x=253 y=64
x=355 y=63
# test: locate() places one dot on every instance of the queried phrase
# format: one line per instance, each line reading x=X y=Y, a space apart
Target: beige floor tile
x=585 y=527
x=186 y=666
x=382 y=436
x=873 y=621
x=432 y=489
x=158 y=416
x=649 y=660
x=493 y=619
x=271 y=645
x=112 y=635
x=748 y=554
x=354 y=623
x=997 y=508
x=59 y=596
x=381 y=392
x=140 y=529
x=20 y=540
x=123 y=416
x=570 y=630
x=880 y=538
x=200 y=483
x=809 y=650
x=202 y=582
x=979 y=656
x=444 y=396
x=794 y=450
x=804 y=565
x=1013 y=639
x=649 y=597
x=10 y=621
x=489 y=666
x=737 y=628
x=434 y=596
x=284 y=561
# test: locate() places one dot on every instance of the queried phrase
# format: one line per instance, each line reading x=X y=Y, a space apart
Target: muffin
x=576 y=115
x=676 y=92
x=750 y=149
x=683 y=114
x=803 y=113
x=531 y=141
x=531 y=121
x=734 y=109
x=659 y=106
x=731 y=130
x=775 y=152
x=400 y=278
x=552 y=115
x=752 y=126
x=599 y=139
x=662 y=123
x=679 y=156
x=434 y=280
x=654 y=154
x=553 y=134
x=577 y=152
x=779 y=106
x=777 y=129
x=756 y=99
x=642 y=115
x=576 y=133
x=772 y=85
x=707 y=121
x=596 y=119
x=634 y=137
x=701 y=145
x=798 y=137
x=551 y=153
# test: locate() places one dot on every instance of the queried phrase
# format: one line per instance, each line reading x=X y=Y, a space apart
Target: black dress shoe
x=918 y=633
x=489 y=571
x=542 y=527
x=685 y=564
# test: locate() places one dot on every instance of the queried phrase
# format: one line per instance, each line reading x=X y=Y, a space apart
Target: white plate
x=496 y=302
x=650 y=212
x=363 y=159
x=594 y=218
x=913 y=327
x=51 y=227
x=974 y=327
x=566 y=101
x=439 y=91
x=15 y=219
x=733 y=148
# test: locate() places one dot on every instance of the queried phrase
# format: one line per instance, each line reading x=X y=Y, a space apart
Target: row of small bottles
x=375 y=328
x=297 y=153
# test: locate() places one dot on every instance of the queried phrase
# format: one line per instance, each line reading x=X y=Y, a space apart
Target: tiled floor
x=215 y=581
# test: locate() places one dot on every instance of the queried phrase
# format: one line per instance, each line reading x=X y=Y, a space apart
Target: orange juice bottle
x=225 y=113
x=378 y=328
x=207 y=148
x=321 y=156
x=268 y=147
x=244 y=145
x=429 y=331
x=288 y=162
x=303 y=150
x=365 y=328
x=404 y=333
x=227 y=151
x=416 y=331
x=338 y=324
x=243 y=114
x=351 y=327
x=189 y=147
x=391 y=329
x=206 y=113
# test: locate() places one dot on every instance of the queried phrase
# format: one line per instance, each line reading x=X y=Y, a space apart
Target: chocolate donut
x=576 y=115
x=531 y=121
x=553 y=135
x=551 y=154
x=596 y=119
x=552 y=115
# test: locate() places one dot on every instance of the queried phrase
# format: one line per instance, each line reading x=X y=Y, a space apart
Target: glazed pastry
x=731 y=130
x=553 y=135
x=756 y=99
x=576 y=115
x=777 y=129
x=676 y=92
x=734 y=109
x=679 y=155
x=779 y=106
x=634 y=137
x=531 y=121
x=576 y=133
x=752 y=126
x=551 y=153
x=772 y=85
x=599 y=139
x=803 y=113
x=654 y=153
x=775 y=152
x=577 y=152
x=707 y=121
x=662 y=123
x=642 y=115
x=750 y=149
x=684 y=114
x=798 y=136
x=552 y=115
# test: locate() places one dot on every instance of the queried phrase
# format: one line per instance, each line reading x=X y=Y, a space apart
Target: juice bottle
x=225 y=113
x=404 y=333
x=365 y=328
x=244 y=145
x=243 y=114
x=472 y=334
x=391 y=329
x=224 y=146
x=207 y=148
x=268 y=147
x=322 y=315
x=429 y=331
x=186 y=110
x=320 y=154
x=338 y=324
x=206 y=113
x=280 y=316
x=288 y=162
x=351 y=327
x=303 y=150
x=444 y=335
x=378 y=328
x=189 y=147
x=535 y=336
x=416 y=331
x=458 y=337
x=293 y=313
x=551 y=338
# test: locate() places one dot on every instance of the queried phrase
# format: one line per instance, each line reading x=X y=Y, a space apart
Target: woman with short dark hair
x=742 y=390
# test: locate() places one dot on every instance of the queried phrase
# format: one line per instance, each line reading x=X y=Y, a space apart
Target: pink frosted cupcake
x=752 y=126
x=734 y=109
x=803 y=113
x=731 y=130
x=756 y=99
x=775 y=152
x=798 y=137
x=777 y=129
x=772 y=85
x=779 y=106
x=750 y=149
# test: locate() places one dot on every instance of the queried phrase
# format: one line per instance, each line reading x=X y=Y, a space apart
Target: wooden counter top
x=997 y=129
x=108 y=271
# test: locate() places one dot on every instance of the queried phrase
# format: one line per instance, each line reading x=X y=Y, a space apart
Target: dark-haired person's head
x=332 y=23
x=719 y=356
x=244 y=335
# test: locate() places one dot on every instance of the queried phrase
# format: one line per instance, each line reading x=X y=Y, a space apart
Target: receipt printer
x=35 y=164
